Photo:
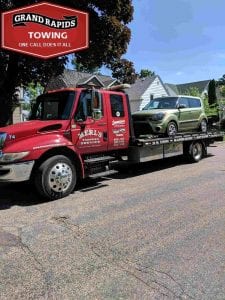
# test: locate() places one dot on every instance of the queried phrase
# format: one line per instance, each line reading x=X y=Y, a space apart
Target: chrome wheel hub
x=172 y=129
x=203 y=126
x=60 y=177
x=197 y=151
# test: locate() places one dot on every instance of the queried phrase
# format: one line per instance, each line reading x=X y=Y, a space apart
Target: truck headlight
x=11 y=157
x=158 y=116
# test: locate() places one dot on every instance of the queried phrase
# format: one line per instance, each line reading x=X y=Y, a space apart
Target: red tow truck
x=76 y=133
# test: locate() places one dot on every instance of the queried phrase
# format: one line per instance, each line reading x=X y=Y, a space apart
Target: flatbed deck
x=181 y=137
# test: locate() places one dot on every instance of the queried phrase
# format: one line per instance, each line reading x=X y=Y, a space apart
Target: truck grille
x=2 y=139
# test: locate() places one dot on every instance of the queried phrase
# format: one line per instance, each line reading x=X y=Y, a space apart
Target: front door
x=89 y=125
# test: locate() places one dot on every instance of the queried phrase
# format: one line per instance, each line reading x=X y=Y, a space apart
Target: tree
x=193 y=91
x=124 y=71
x=33 y=91
x=109 y=38
x=222 y=91
x=221 y=81
x=79 y=67
x=212 y=92
x=146 y=73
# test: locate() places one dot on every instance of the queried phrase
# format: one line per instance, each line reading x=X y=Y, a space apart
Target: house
x=145 y=89
x=182 y=89
x=17 y=109
x=71 y=78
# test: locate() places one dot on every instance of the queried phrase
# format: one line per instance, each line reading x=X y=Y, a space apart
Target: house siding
x=156 y=89
x=17 y=115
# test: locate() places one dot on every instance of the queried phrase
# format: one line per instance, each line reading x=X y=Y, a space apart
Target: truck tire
x=171 y=129
x=56 y=177
x=194 y=151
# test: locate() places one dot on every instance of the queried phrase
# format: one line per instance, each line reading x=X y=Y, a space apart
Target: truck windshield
x=53 y=106
x=162 y=103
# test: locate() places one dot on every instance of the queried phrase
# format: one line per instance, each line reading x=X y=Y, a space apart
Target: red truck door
x=89 y=126
x=118 y=120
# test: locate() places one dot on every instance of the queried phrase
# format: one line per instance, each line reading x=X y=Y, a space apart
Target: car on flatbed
x=169 y=115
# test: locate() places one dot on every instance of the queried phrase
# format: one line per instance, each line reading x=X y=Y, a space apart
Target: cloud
x=179 y=73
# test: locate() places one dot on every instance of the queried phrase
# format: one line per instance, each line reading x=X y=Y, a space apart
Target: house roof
x=139 y=87
x=171 y=89
x=180 y=89
x=71 y=78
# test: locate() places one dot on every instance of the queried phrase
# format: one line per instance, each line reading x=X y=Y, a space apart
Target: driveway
x=154 y=232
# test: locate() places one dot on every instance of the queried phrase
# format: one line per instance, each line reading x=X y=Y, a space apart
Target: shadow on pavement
x=24 y=194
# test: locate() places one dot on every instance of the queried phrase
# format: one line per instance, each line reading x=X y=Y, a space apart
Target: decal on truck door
x=118 y=125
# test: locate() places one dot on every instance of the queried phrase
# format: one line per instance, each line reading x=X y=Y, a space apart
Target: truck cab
x=71 y=134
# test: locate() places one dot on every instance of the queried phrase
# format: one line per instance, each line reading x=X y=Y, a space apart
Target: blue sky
x=181 y=40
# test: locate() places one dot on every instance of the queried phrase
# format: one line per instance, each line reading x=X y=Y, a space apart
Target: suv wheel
x=203 y=125
x=171 y=129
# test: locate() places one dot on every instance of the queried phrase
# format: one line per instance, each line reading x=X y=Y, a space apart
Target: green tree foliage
x=33 y=91
x=222 y=91
x=79 y=67
x=109 y=38
x=212 y=92
x=124 y=71
x=221 y=81
x=146 y=73
x=193 y=91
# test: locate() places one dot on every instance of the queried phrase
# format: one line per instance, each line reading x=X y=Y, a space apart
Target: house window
x=151 y=96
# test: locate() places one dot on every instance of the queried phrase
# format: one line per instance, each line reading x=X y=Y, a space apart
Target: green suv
x=168 y=115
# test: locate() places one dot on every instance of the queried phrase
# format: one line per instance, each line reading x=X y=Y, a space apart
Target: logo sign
x=45 y=30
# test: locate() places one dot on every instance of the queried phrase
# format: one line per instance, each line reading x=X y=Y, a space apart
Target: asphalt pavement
x=156 y=231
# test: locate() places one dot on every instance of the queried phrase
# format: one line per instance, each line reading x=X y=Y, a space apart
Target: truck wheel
x=56 y=177
x=194 y=152
x=203 y=126
x=171 y=129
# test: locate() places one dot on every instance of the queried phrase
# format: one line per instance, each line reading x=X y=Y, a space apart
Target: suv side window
x=194 y=102
x=117 y=107
x=184 y=101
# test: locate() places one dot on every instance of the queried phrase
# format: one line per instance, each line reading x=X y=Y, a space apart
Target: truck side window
x=117 y=107
x=87 y=104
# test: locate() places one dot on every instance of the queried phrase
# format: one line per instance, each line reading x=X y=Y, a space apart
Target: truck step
x=98 y=159
x=103 y=174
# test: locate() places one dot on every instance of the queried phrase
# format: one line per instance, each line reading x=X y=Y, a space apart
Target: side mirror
x=180 y=106
x=97 y=114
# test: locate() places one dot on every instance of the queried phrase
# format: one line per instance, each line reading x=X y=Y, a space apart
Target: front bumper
x=16 y=172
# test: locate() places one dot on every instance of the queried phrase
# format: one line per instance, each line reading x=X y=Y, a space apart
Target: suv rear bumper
x=16 y=172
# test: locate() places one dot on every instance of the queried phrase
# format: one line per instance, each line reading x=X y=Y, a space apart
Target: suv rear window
x=194 y=102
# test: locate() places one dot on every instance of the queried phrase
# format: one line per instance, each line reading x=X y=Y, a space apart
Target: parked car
x=169 y=115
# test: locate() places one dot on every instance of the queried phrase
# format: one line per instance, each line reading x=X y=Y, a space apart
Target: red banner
x=45 y=30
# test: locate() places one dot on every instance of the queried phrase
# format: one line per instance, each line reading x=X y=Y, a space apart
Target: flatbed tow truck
x=75 y=133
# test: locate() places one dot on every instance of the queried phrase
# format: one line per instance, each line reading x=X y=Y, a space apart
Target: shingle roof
x=71 y=78
x=139 y=87
x=171 y=89
x=200 y=85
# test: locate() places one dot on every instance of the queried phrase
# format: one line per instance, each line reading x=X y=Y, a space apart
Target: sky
x=181 y=40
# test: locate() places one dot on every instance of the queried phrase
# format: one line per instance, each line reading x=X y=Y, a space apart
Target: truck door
x=89 y=125
x=118 y=121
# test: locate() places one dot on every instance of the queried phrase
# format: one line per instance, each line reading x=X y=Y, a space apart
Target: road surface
x=154 y=232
